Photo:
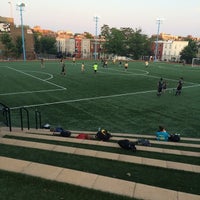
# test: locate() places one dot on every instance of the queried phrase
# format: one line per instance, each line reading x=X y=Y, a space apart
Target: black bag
x=65 y=133
x=143 y=142
x=103 y=135
x=174 y=137
x=126 y=144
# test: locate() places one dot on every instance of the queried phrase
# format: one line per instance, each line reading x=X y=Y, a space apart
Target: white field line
x=39 y=72
x=30 y=92
x=38 y=78
x=146 y=73
x=95 y=98
x=131 y=73
x=122 y=72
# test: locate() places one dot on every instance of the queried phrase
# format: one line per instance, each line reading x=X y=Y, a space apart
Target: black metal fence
x=23 y=117
x=5 y=116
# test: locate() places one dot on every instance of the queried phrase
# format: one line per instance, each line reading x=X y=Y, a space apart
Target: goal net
x=195 y=62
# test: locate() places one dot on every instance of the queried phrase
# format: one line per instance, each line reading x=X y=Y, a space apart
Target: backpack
x=103 y=135
x=65 y=133
x=143 y=142
x=83 y=136
x=126 y=144
x=174 y=138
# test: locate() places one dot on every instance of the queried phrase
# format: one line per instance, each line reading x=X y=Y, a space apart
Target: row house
x=85 y=48
x=159 y=46
x=169 y=50
x=172 y=49
x=79 y=46
x=61 y=44
x=44 y=32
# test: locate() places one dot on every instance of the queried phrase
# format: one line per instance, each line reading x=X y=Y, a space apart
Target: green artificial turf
x=117 y=100
x=161 y=177
x=18 y=187
x=140 y=153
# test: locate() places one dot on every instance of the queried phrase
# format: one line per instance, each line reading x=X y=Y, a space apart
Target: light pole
x=158 y=21
x=96 y=19
x=11 y=11
x=21 y=6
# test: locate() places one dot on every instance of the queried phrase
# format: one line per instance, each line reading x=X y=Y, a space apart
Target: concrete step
x=93 y=181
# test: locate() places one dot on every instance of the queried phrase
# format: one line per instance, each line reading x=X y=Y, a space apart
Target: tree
x=126 y=42
x=48 y=45
x=189 y=52
x=115 y=42
x=139 y=45
x=88 y=35
x=105 y=31
x=44 y=44
x=8 y=44
x=37 y=45
x=18 y=46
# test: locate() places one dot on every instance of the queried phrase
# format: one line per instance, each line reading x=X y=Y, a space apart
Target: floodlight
x=21 y=5
x=159 y=21
x=96 y=19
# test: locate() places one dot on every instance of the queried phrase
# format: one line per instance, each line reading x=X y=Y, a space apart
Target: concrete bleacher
x=93 y=181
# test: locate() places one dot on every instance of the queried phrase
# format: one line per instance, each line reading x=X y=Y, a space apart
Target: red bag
x=83 y=136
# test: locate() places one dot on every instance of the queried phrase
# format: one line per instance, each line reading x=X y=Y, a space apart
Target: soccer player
x=82 y=67
x=179 y=86
x=74 y=60
x=160 y=86
x=164 y=86
x=95 y=67
x=146 y=63
x=126 y=66
x=42 y=63
x=63 y=71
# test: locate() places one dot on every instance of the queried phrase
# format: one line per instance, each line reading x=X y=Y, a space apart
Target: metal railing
x=6 y=115
x=27 y=117
x=37 y=119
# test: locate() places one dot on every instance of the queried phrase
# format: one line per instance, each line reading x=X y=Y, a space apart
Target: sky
x=179 y=17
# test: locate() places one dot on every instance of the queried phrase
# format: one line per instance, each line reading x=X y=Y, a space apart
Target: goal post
x=195 y=62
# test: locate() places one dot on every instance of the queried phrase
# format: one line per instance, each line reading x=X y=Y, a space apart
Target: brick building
x=7 y=25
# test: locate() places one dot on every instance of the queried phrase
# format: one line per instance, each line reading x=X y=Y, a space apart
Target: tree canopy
x=126 y=42
x=189 y=52
x=44 y=44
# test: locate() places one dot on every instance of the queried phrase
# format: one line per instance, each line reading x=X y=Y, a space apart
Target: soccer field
x=118 y=100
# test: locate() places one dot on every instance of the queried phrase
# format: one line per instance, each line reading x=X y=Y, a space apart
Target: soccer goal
x=195 y=62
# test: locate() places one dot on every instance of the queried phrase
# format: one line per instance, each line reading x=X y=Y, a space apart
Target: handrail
x=37 y=115
x=21 y=117
x=6 y=112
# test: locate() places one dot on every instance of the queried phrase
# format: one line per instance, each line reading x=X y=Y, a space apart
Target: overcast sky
x=181 y=17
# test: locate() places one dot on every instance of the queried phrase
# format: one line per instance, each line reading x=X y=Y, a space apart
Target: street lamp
x=21 y=7
x=96 y=19
x=158 y=21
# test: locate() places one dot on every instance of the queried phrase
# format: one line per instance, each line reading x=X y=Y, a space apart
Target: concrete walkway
x=93 y=181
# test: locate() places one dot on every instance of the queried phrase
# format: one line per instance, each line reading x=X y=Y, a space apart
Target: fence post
x=27 y=116
x=37 y=115
x=6 y=112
